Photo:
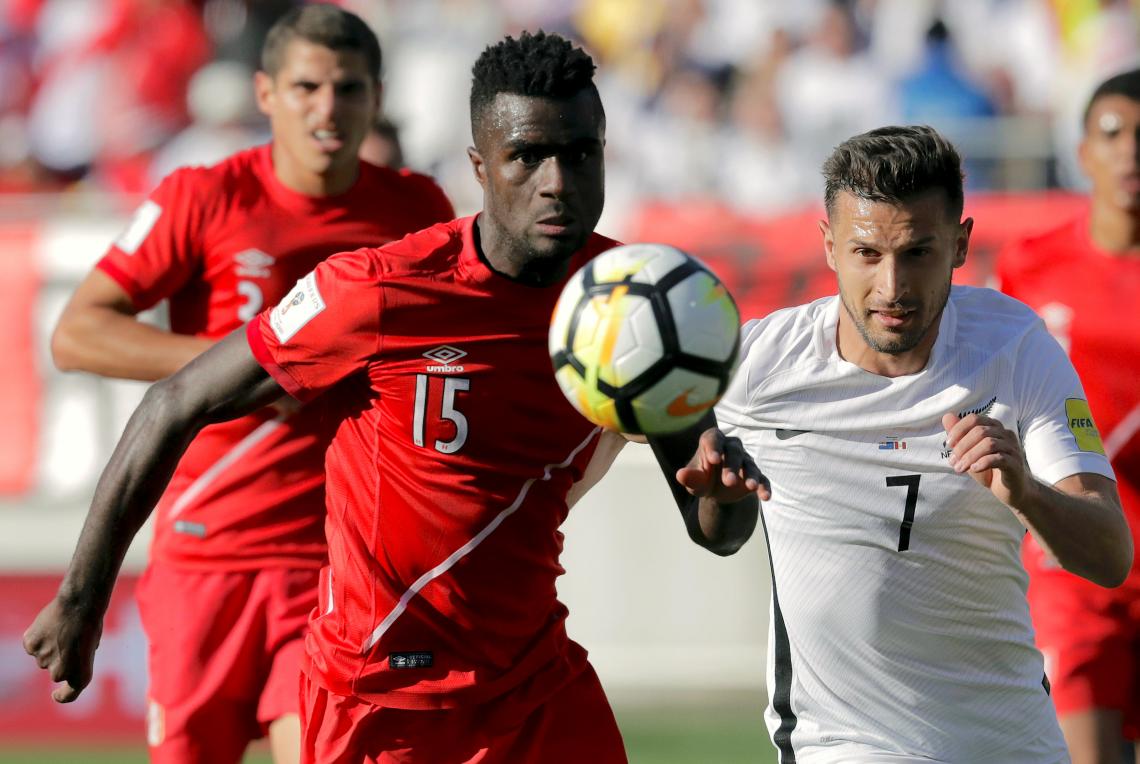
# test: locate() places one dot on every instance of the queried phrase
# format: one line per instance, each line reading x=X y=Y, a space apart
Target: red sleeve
x=158 y=251
x=325 y=329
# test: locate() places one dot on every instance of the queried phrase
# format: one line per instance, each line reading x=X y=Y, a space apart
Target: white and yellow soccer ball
x=644 y=339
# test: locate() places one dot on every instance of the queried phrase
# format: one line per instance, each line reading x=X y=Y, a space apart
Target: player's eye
x=350 y=88
x=306 y=87
x=528 y=158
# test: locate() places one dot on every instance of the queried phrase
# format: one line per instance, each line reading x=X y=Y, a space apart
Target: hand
x=722 y=470
x=989 y=453
x=63 y=641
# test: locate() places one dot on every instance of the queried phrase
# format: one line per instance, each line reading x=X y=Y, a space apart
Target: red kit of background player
x=222 y=243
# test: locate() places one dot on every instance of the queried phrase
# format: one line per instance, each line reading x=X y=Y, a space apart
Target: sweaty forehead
x=869 y=220
x=513 y=118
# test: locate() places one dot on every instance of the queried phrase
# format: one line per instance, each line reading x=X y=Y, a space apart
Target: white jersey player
x=909 y=434
x=899 y=620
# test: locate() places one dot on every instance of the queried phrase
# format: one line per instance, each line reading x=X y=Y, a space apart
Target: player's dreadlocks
x=891 y=164
x=540 y=64
x=1125 y=84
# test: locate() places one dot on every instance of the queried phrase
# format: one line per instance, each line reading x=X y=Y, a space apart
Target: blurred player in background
x=911 y=432
x=1083 y=278
x=382 y=144
x=239 y=537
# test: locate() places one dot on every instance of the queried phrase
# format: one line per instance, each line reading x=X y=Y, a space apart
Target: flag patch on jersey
x=143 y=220
x=1081 y=424
x=892 y=444
x=300 y=306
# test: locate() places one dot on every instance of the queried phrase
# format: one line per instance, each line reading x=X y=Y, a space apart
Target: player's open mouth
x=892 y=318
x=328 y=140
x=558 y=225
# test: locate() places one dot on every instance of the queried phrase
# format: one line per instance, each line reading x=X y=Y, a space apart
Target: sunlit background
x=720 y=113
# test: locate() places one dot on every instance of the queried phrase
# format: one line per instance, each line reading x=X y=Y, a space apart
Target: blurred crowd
x=731 y=100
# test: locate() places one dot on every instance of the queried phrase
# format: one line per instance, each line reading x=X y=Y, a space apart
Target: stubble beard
x=894 y=344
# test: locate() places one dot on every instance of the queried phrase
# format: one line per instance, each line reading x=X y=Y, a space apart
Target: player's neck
x=295 y=178
x=1115 y=230
x=851 y=346
x=497 y=253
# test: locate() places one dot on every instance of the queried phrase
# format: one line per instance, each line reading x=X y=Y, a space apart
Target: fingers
x=62 y=663
x=721 y=468
x=973 y=437
x=65 y=693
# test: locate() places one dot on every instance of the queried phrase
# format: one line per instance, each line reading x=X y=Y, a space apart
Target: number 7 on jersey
x=911 y=483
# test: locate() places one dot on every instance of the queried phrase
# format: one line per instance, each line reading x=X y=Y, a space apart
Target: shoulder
x=236 y=176
x=783 y=337
x=598 y=244
x=988 y=318
x=434 y=249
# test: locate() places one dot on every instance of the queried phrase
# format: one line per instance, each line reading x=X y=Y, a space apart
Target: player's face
x=540 y=163
x=1110 y=152
x=320 y=106
x=894 y=263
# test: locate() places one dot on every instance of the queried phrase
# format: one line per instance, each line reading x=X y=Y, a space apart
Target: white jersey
x=900 y=630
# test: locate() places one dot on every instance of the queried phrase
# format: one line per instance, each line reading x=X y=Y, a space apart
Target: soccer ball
x=644 y=339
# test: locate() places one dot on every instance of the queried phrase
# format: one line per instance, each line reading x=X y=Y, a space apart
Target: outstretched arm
x=222 y=384
x=1078 y=521
x=716 y=485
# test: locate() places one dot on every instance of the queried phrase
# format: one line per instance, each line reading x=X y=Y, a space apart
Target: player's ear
x=963 y=243
x=263 y=90
x=377 y=95
x=828 y=243
x=478 y=166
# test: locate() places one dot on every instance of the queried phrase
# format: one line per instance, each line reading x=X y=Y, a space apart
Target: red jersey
x=221 y=243
x=447 y=478
x=1090 y=301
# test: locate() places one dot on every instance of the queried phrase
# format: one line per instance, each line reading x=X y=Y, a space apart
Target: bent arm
x=714 y=484
x=222 y=384
x=98 y=332
x=1079 y=522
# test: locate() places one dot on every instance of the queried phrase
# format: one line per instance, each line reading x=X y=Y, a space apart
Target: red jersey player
x=239 y=537
x=1083 y=278
x=439 y=636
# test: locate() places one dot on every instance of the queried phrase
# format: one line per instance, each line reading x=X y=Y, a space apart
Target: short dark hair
x=539 y=64
x=892 y=164
x=1125 y=84
x=320 y=24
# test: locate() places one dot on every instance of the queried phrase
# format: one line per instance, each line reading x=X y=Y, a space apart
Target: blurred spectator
x=114 y=95
x=734 y=100
x=758 y=172
x=939 y=90
x=382 y=145
x=677 y=150
x=224 y=116
x=829 y=89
